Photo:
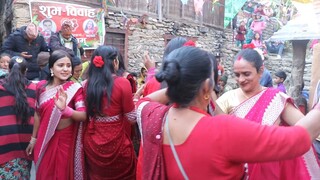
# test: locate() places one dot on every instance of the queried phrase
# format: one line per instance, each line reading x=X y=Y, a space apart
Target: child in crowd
x=248 y=9
x=142 y=76
x=241 y=30
x=223 y=85
x=280 y=77
x=77 y=70
x=250 y=33
x=256 y=41
x=4 y=64
x=258 y=25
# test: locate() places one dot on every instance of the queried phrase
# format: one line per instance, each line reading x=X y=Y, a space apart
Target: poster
x=87 y=23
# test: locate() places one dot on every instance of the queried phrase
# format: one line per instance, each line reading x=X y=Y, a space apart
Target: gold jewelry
x=206 y=97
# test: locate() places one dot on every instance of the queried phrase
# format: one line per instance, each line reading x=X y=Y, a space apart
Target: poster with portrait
x=87 y=23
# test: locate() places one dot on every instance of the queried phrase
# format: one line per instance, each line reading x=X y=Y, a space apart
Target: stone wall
x=152 y=39
x=6 y=16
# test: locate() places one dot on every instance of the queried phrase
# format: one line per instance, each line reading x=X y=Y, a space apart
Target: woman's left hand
x=60 y=100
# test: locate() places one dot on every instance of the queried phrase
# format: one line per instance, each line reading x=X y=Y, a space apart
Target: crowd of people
x=251 y=27
x=96 y=120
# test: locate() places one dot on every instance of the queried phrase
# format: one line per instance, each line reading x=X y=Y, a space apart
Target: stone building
x=135 y=26
x=126 y=29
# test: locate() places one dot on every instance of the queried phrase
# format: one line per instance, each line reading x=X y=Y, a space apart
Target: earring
x=206 y=97
x=52 y=73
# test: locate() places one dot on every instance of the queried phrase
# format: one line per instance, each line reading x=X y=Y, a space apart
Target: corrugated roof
x=304 y=26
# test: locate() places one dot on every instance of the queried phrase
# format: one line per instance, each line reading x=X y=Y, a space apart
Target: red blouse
x=218 y=146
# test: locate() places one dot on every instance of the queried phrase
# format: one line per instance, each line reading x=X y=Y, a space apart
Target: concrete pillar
x=315 y=73
x=298 y=64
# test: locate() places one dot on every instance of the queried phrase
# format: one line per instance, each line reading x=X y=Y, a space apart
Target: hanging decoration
x=184 y=2
x=215 y=3
x=231 y=9
x=198 y=7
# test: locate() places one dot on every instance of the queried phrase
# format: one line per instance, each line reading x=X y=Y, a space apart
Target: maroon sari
x=109 y=152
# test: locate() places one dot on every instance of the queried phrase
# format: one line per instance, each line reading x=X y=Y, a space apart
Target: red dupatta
x=151 y=125
x=50 y=115
x=265 y=108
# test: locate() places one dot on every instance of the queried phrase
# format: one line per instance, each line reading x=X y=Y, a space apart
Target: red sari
x=265 y=108
x=109 y=152
x=54 y=150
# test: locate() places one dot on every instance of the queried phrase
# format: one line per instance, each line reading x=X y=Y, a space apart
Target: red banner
x=88 y=23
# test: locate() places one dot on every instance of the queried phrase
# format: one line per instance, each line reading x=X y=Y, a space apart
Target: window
x=119 y=39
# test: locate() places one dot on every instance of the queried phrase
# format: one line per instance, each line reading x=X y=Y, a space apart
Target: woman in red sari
x=182 y=141
x=266 y=106
x=109 y=152
x=60 y=105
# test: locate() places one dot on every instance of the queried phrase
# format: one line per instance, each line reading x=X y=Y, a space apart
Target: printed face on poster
x=87 y=23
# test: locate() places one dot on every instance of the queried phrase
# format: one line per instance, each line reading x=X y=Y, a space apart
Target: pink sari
x=265 y=108
x=54 y=152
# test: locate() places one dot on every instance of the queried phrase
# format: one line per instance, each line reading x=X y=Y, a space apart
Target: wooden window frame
x=125 y=33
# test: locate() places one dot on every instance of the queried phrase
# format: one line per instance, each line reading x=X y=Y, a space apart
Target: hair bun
x=170 y=72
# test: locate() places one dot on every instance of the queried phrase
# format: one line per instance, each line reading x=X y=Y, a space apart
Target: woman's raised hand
x=60 y=100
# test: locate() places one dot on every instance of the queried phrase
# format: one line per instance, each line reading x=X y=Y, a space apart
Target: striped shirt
x=14 y=137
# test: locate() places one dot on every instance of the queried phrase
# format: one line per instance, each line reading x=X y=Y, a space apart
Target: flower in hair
x=248 y=46
x=190 y=43
x=98 y=61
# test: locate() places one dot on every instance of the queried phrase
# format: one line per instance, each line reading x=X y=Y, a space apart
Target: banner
x=231 y=9
x=88 y=23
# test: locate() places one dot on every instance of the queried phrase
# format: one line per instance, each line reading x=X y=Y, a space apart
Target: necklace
x=193 y=108
x=247 y=97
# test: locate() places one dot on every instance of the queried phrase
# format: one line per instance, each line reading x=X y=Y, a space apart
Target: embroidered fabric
x=107 y=118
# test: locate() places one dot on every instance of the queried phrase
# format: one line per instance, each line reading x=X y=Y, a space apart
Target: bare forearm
x=79 y=116
x=159 y=96
x=36 y=125
x=311 y=122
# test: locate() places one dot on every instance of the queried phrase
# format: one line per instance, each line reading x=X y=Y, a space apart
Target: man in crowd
x=64 y=40
x=27 y=43
x=275 y=47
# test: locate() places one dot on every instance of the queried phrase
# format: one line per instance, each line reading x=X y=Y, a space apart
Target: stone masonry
x=152 y=38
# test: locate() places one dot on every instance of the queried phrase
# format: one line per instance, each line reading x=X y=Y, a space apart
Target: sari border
x=78 y=166
x=139 y=114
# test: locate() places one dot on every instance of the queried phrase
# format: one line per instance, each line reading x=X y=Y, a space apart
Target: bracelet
x=67 y=112
x=33 y=141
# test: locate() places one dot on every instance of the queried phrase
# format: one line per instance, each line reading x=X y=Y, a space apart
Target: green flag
x=232 y=7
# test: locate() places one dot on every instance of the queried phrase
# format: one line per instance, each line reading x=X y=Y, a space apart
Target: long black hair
x=122 y=66
x=184 y=70
x=172 y=45
x=16 y=84
x=100 y=79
